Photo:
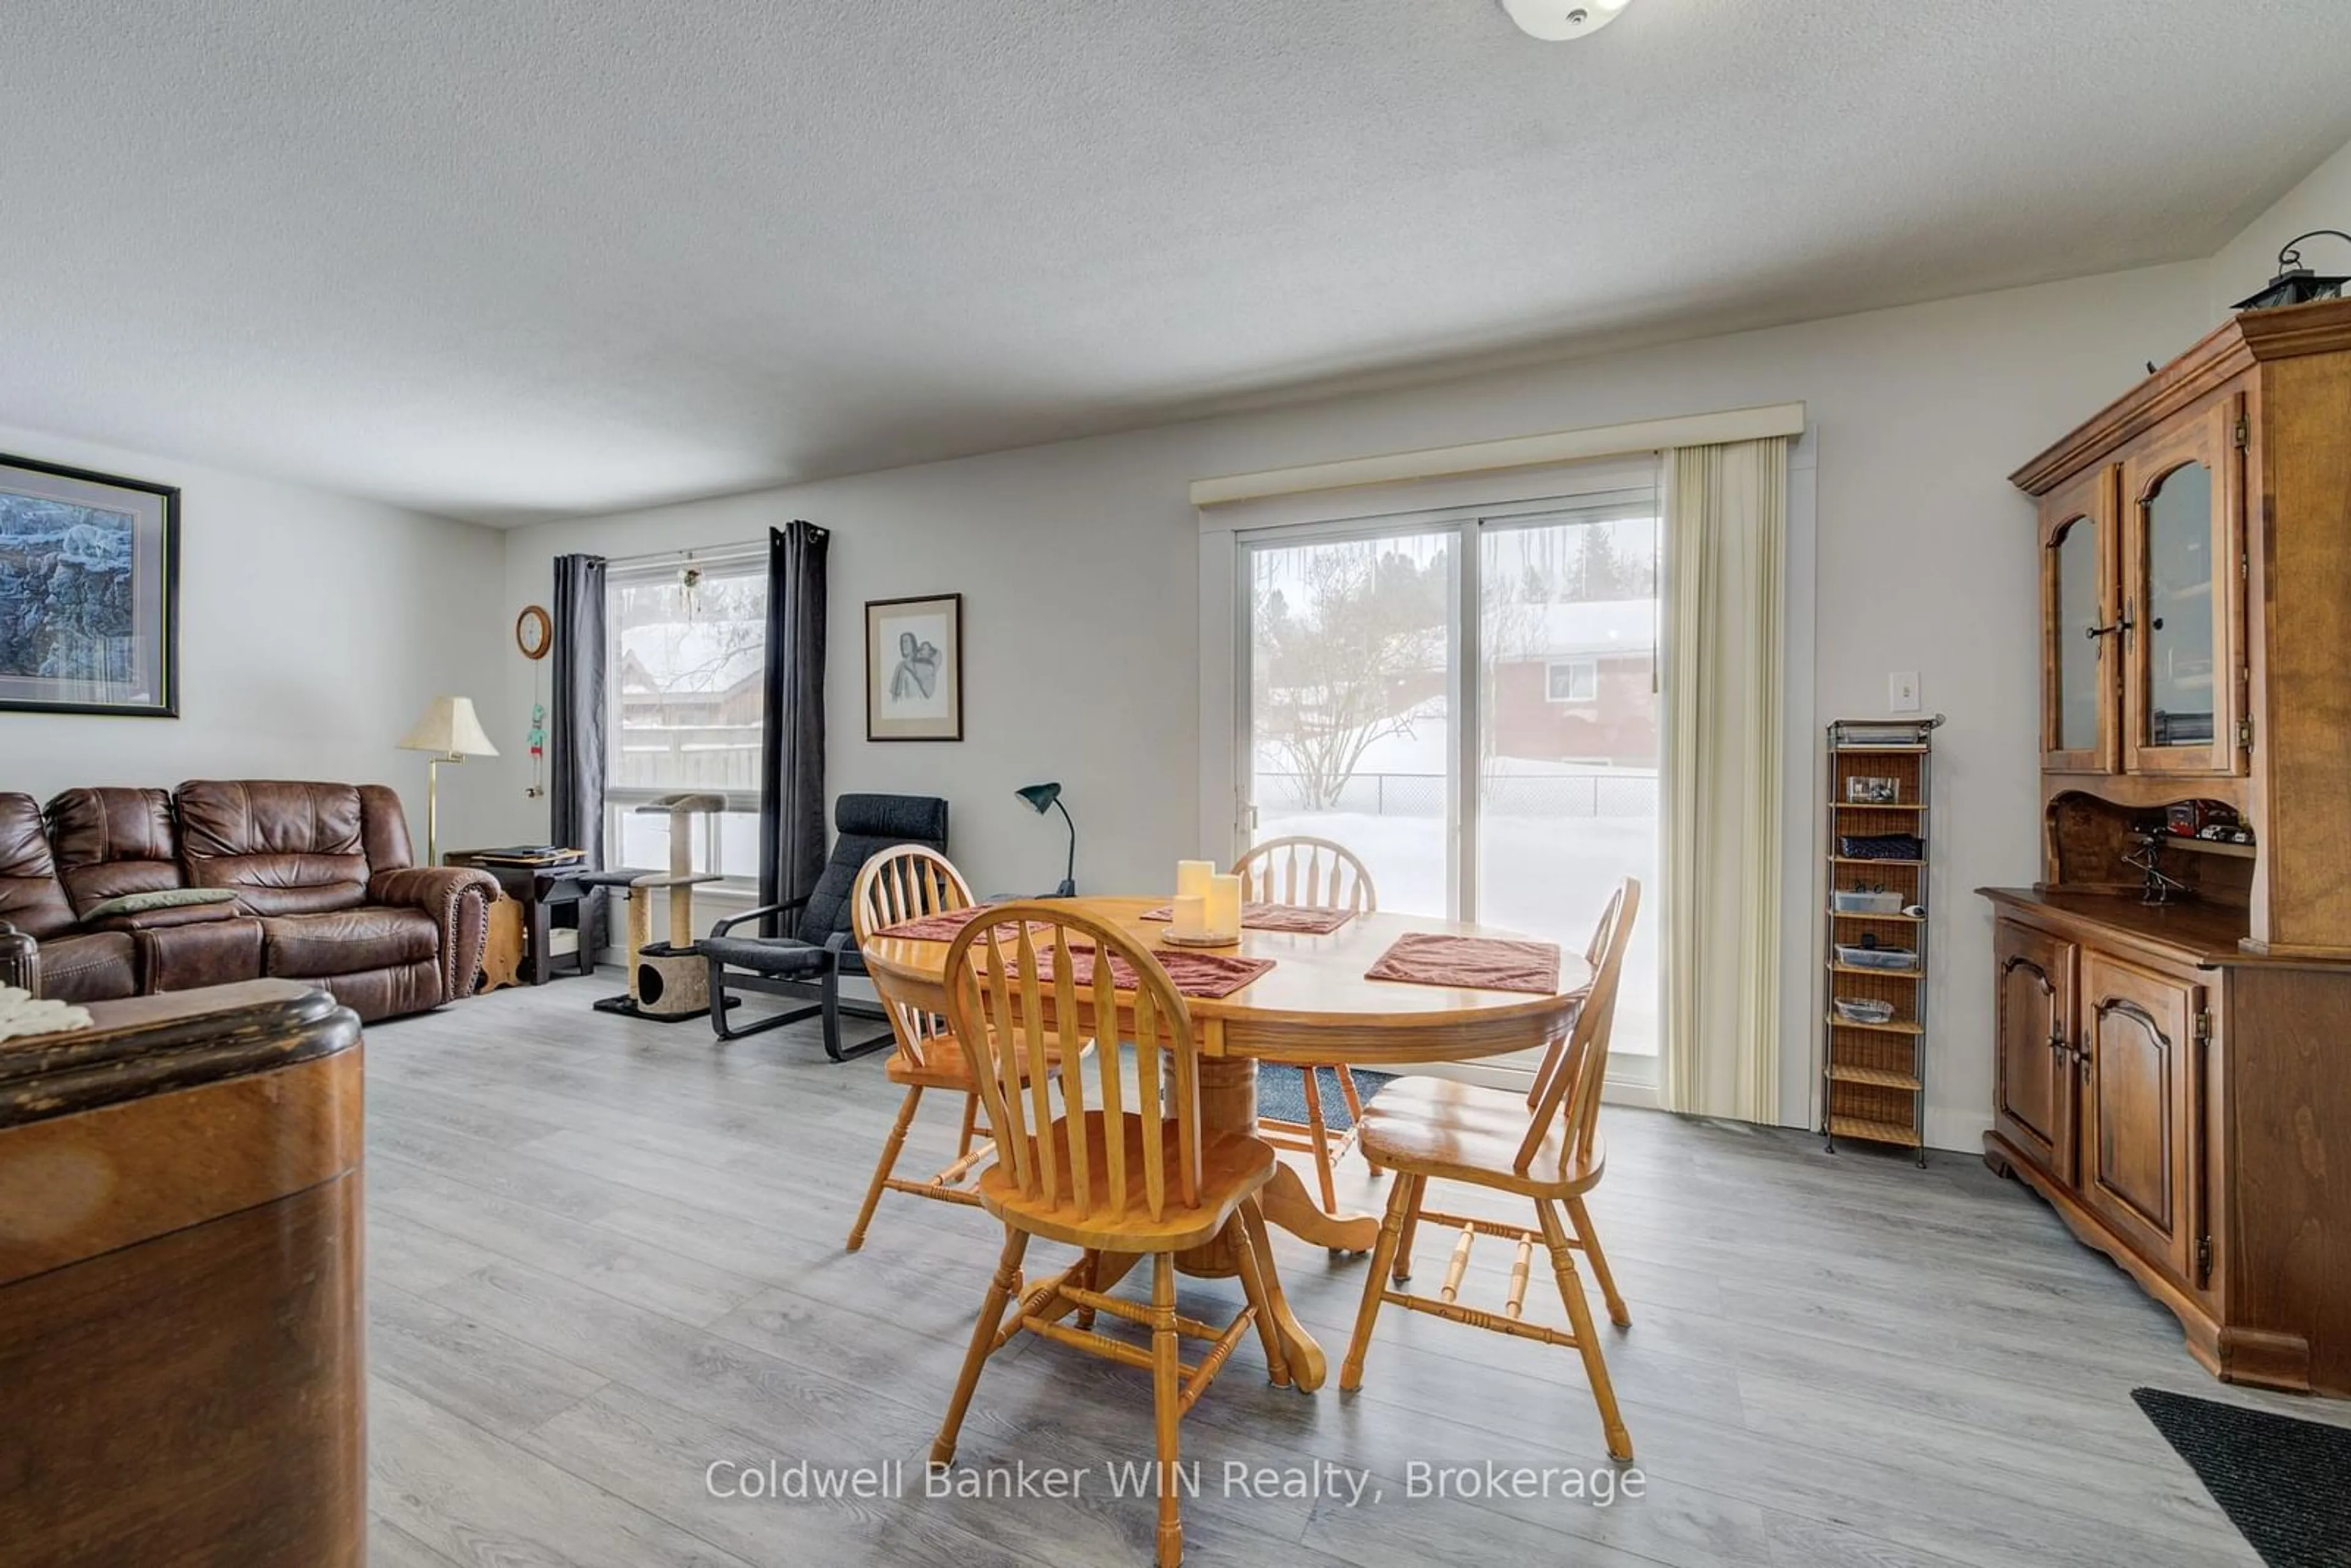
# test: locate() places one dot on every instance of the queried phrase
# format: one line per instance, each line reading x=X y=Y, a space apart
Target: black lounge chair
x=808 y=965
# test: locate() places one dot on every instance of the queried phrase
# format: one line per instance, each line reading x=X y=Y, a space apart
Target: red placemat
x=1475 y=963
x=944 y=926
x=1209 y=976
x=1310 y=922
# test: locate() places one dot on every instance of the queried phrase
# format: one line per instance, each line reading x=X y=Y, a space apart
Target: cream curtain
x=1725 y=571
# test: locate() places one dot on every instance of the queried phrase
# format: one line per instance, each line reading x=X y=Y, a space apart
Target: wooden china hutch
x=2176 y=1078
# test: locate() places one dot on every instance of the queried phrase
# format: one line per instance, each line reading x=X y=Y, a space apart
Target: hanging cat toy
x=535 y=635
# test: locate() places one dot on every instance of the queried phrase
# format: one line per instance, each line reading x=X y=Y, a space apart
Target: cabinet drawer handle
x=2123 y=625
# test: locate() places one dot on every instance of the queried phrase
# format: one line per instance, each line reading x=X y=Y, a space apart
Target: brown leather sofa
x=326 y=891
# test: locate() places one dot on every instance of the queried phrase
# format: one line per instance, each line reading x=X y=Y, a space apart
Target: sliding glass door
x=1472 y=704
x=1353 y=690
x=1571 y=714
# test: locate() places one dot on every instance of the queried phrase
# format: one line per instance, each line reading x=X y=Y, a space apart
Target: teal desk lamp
x=1042 y=797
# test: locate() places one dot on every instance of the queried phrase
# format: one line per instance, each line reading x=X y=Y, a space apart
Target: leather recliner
x=77 y=964
x=326 y=893
x=112 y=843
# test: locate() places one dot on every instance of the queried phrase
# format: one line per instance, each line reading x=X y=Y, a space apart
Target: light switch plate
x=1902 y=690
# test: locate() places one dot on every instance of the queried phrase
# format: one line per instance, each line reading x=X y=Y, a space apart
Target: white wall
x=313 y=629
x=1079 y=566
x=1923 y=552
x=1082 y=581
x=316 y=626
x=2323 y=201
x=1081 y=639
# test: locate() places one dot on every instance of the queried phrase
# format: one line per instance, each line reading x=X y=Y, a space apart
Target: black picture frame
x=880 y=727
x=162 y=606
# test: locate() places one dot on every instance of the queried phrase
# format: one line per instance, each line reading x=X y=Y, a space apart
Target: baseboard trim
x=1958 y=1130
x=1489 y=1075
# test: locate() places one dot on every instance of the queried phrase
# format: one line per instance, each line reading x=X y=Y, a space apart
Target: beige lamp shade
x=450 y=727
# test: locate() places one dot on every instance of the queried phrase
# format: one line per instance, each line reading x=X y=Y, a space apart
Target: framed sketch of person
x=914 y=668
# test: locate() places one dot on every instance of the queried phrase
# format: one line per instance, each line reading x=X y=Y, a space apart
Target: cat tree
x=668 y=980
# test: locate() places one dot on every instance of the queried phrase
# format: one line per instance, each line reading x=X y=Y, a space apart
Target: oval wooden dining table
x=1315 y=1006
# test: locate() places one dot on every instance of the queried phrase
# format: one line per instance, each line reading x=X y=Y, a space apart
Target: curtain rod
x=705 y=552
x=1512 y=452
x=698 y=552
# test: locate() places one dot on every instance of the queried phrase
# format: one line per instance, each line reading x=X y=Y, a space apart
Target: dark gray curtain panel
x=791 y=772
x=576 y=720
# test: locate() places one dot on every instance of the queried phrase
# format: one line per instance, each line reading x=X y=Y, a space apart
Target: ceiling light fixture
x=1553 y=20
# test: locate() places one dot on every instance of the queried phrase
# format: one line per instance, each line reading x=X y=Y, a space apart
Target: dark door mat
x=2284 y=1484
x=1281 y=1093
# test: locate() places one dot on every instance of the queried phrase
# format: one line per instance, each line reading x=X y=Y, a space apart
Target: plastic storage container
x=1878 y=957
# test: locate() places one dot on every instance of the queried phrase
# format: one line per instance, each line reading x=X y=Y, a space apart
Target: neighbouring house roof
x=1621 y=626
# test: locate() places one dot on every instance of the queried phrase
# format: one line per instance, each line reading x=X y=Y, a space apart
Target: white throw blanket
x=21 y=1014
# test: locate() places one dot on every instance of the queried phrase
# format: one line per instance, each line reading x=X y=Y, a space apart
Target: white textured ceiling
x=511 y=258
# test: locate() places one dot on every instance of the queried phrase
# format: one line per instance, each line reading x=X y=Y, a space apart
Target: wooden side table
x=550 y=898
x=502 y=947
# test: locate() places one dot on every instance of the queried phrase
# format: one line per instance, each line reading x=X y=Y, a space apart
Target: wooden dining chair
x=1131 y=1175
x=1543 y=1145
x=898 y=884
x=1313 y=873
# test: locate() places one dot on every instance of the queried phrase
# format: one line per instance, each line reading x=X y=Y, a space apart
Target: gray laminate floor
x=605 y=1255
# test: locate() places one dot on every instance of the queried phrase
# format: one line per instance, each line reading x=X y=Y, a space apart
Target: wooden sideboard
x=181 y=1332
x=2176 y=1078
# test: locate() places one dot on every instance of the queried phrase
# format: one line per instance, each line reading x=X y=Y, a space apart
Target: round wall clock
x=534 y=632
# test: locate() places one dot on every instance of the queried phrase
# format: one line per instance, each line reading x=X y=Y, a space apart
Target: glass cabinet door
x=2080 y=660
x=2179 y=590
x=2180 y=658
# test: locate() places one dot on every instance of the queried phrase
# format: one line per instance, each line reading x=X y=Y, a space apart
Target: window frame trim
x=1572 y=663
x=744 y=560
x=1467 y=523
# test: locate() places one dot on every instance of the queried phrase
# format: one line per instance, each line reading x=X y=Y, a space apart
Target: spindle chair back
x=907 y=883
x=1303 y=872
x=1127 y=1171
x=898 y=885
x=1429 y=1129
x=1307 y=872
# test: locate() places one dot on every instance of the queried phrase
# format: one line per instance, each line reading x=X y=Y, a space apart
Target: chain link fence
x=1624 y=794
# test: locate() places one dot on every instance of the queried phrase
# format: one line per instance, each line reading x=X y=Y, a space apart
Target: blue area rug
x=1281 y=1093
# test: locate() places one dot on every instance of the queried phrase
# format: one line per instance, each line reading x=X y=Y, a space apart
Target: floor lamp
x=452 y=731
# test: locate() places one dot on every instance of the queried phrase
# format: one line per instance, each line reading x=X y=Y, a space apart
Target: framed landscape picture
x=89 y=590
x=914 y=668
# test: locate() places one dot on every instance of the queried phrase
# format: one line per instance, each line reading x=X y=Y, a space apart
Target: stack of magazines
x=533 y=856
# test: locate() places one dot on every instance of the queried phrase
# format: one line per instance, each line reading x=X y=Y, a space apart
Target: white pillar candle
x=1192 y=878
x=1224 y=906
x=1191 y=916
